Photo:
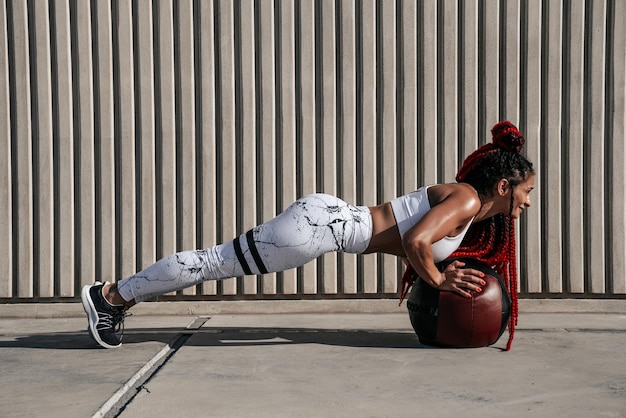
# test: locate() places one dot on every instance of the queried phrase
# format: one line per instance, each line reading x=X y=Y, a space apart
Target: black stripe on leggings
x=240 y=257
x=255 y=253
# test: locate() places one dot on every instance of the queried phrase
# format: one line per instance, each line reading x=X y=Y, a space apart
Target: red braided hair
x=492 y=241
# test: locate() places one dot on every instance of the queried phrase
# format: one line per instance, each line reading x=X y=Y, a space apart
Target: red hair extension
x=498 y=251
x=512 y=285
x=470 y=162
x=505 y=137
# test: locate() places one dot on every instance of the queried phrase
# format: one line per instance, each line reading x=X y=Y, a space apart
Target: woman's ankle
x=112 y=296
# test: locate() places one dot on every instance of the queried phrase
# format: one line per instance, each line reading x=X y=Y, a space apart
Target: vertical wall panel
x=447 y=92
x=550 y=181
x=327 y=120
x=266 y=119
x=490 y=72
x=205 y=133
x=468 y=62
x=287 y=125
x=246 y=141
x=618 y=167
x=22 y=151
x=595 y=204
x=165 y=114
x=427 y=79
x=346 y=122
x=366 y=130
x=531 y=274
x=427 y=63
x=573 y=238
x=168 y=216
x=125 y=156
x=408 y=91
x=137 y=129
x=510 y=46
x=85 y=202
x=63 y=148
x=386 y=113
x=226 y=131
x=306 y=137
x=185 y=132
x=145 y=105
x=6 y=213
x=106 y=217
x=43 y=154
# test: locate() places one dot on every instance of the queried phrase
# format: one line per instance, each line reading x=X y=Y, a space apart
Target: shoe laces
x=114 y=321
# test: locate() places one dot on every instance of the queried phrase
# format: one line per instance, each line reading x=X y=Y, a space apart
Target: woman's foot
x=105 y=319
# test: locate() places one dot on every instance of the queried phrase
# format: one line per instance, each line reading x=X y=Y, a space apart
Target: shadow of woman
x=235 y=336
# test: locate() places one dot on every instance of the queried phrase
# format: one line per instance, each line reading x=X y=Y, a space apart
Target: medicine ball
x=447 y=319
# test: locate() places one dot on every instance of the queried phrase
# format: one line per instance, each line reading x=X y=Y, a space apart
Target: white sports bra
x=410 y=208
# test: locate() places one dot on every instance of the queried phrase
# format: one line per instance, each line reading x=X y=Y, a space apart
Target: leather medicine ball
x=447 y=319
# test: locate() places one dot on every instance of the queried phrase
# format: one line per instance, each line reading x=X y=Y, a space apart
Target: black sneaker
x=104 y=319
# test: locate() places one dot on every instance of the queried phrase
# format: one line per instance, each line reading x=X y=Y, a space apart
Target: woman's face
x=521 y=196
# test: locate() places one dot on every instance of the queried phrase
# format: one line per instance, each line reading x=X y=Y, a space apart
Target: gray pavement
x=311 y=365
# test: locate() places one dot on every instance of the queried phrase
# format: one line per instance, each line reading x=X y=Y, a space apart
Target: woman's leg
x=312 y=226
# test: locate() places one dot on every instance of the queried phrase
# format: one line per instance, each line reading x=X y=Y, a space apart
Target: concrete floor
x=311 y=365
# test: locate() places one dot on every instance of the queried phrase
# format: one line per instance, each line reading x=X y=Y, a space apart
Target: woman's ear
x=502 y=186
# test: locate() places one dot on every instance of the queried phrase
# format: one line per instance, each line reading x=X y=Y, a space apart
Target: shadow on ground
x=222 y=337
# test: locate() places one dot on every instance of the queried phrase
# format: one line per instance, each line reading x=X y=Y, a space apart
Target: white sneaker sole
x=92 y=317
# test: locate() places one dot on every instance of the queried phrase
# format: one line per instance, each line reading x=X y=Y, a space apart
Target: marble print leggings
x=312 y=226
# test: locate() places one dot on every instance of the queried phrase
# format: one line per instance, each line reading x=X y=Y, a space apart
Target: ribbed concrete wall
x=138 y=128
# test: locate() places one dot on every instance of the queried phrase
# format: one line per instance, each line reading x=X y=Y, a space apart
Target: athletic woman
x=473 y=217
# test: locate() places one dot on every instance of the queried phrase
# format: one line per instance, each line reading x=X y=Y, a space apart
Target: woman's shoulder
x=460 y=193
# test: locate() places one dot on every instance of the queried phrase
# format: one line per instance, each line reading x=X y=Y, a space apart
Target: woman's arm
x=457 y=207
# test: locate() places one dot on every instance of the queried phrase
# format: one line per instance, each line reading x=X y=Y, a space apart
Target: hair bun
x=507 y=137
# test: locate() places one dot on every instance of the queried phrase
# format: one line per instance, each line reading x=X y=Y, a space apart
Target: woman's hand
x=460 y=280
